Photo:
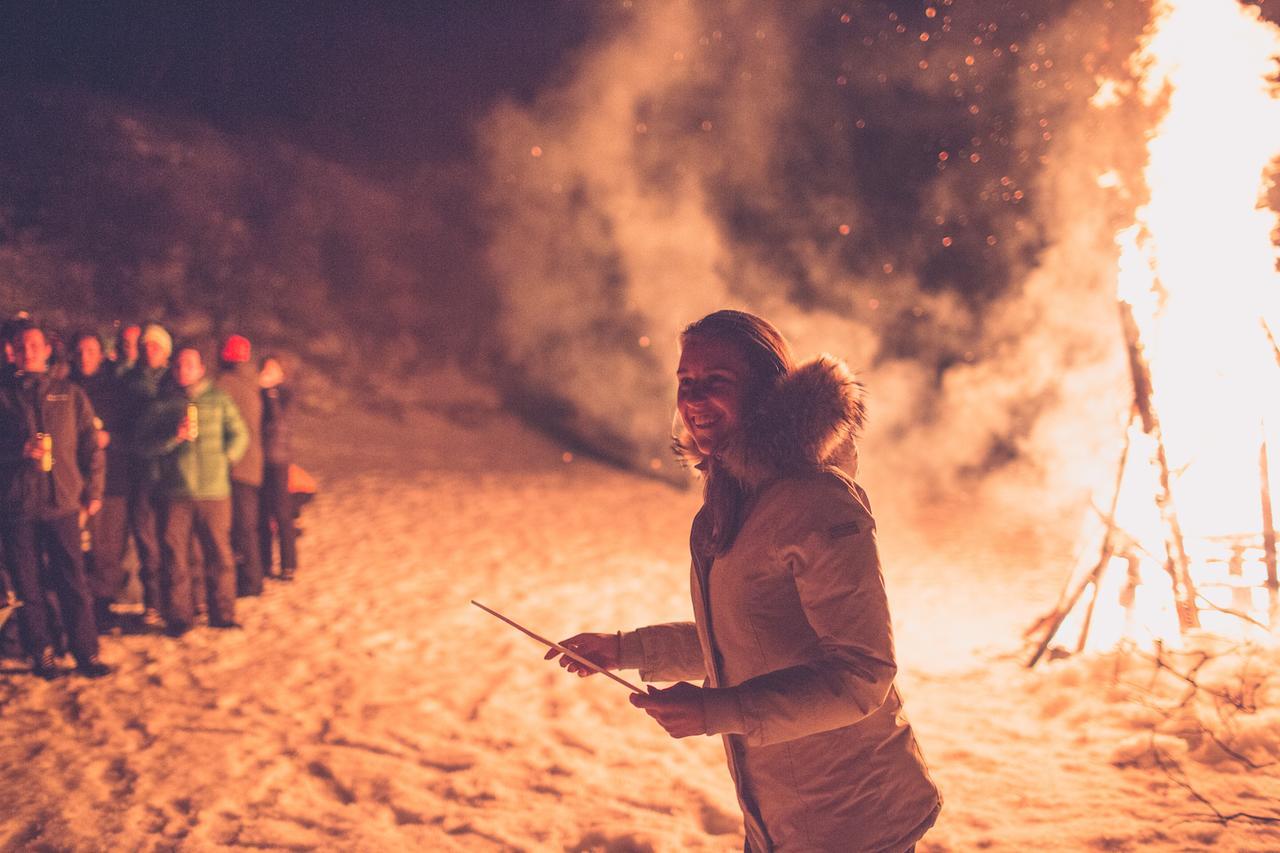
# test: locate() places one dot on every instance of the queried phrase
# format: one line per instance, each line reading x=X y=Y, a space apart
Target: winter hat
x=236 y=349
x=156 y=332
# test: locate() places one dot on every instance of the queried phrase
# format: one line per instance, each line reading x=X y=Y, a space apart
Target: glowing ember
x=1198 y=286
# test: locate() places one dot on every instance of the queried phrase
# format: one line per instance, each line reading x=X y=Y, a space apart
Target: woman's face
x=712 y=391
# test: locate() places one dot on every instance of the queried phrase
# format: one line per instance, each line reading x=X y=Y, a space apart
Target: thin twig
x=1243 y=759
x=1219 y=816
x=1205 y=604
x=1190 y=679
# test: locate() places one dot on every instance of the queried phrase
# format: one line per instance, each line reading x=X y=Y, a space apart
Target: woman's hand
x=601 y=649
x=678 y=709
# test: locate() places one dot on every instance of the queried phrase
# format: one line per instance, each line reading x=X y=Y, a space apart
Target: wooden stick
x=1275 y=348
x=1139 y=371
x=1093 y=601
x=1268 y=530
x=1067 y=603
x=569 y=653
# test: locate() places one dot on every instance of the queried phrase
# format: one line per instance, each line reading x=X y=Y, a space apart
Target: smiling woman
x=718 y=376
x=791 y=633
x=712 y=379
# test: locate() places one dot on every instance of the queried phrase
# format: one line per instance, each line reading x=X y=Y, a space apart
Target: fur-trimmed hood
x=809 y=419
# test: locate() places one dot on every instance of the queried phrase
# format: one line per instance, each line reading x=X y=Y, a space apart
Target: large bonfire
x=1185 y=537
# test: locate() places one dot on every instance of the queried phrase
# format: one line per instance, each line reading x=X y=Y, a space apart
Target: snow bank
x=369 y=707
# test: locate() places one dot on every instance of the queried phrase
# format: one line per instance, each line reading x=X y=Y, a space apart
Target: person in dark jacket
x=195 y=433
x=277 y=503
x=51 y=471
x=108 y=530
x=238 y=380
x=126 y=354
x=142 y=385
x=8 y=366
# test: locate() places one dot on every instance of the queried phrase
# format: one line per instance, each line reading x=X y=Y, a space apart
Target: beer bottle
x=46 y=457
x=193 y=420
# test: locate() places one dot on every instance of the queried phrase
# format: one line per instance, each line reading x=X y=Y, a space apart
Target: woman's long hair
x=769 y=359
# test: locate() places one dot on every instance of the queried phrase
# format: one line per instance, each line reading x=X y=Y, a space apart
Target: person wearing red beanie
x=240 y=381
x=235 y=350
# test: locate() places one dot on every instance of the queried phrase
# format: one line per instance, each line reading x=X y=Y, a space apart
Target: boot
x=152 y=622
x=92 y=668
x=46 y=666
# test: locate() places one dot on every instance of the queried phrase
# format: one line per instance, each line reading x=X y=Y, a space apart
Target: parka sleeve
x=832 y=556
x=14 y=429
x=235 y=433
x=666 y=652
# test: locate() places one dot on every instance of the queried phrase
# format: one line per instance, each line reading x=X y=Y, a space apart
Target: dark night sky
x=897 y=165
x=378 y=85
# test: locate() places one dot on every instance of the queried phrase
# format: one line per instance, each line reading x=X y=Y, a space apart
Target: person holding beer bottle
x=51 y=471
x=195 y=433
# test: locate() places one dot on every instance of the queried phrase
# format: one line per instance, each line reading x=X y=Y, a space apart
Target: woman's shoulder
x=822 y=496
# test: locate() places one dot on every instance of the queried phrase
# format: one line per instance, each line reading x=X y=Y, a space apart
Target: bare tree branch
x=1218 y=815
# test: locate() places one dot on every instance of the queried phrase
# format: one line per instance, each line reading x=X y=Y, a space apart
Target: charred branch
x=1176 y=775
x=1186 y=710
x=1139 y=371
x=1242 y=702
x=1268 y=526
x=1053 y=621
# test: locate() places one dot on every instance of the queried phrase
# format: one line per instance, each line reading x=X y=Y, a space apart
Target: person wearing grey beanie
x=142 y=386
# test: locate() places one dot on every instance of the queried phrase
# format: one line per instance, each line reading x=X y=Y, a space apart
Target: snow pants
x=108 y=535
x=244 y=538
x=45 y=554
x=277 y=507
x=144 y=522
x=210 y=522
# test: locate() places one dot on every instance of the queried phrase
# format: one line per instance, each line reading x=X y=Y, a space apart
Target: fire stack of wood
x=1081 y=595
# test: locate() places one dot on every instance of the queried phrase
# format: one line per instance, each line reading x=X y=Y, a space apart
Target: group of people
x=138 y=443
x=790 y=651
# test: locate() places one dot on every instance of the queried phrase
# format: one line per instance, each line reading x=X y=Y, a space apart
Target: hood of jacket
x=810 y=419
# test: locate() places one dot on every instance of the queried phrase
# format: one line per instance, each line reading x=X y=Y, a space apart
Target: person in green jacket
x=195 y=434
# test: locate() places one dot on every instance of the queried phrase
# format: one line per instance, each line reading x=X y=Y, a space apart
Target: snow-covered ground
x=368 y=707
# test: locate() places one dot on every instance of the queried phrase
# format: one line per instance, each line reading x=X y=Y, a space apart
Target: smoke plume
x=915 y=191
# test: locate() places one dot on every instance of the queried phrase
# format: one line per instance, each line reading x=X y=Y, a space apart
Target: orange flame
x=1199 y=273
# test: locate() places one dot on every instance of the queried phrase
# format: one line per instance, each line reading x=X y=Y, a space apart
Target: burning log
x=1067 y=602
x=1268 y=528
x=1268 y=535
x=1176 y=562
x=1198 y=438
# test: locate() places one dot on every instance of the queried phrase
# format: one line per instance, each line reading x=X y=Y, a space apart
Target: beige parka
x=792 y=637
